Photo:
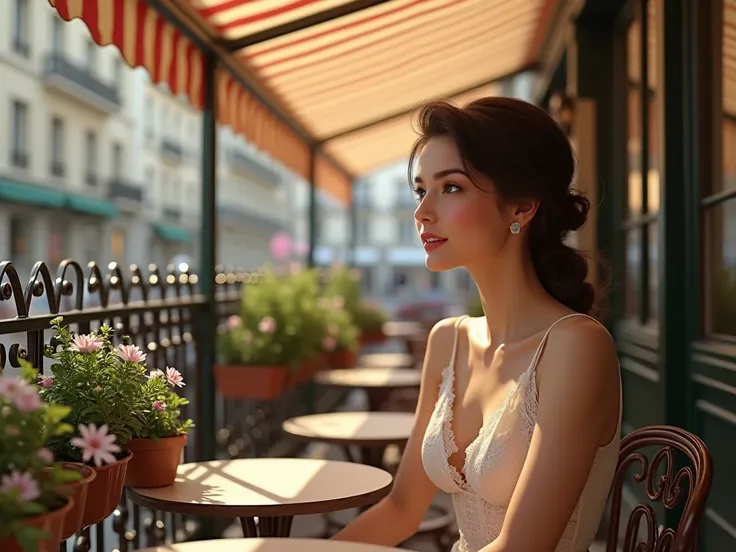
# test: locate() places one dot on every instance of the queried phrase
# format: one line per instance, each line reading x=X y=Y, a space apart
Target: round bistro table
x=266 y=493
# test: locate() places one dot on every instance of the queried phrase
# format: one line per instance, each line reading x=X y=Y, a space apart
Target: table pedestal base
x=279 y=527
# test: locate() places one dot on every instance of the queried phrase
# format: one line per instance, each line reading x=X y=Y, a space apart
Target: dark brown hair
x=526 y=155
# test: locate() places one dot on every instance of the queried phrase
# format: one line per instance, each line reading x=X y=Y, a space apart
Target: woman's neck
x=513 y=299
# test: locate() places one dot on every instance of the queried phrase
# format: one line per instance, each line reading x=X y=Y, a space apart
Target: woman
x=519 y=411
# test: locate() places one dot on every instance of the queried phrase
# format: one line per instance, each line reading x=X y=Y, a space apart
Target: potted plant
x=34 y=501
x=345 y=283
x=265 y=344
x=158 y=445
x=101 y=385
x=341 y=335
x=370 y=320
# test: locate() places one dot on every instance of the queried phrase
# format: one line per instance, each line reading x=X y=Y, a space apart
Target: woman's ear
x=523 y=212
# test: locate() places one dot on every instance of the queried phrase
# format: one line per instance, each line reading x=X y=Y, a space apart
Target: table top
x=270 y=545
x=387 y=378
x=385 y=360
x=353 y=428
x=267 y=487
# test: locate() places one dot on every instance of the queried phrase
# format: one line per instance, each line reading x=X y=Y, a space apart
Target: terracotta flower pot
x=105 y=491
x=372 y=336
x=50 y=522
x=342 y=358
x=154 y=462
x=77 y=491
x=251 y=382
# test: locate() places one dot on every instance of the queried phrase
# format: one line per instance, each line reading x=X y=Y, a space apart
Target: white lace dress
x=493 y=463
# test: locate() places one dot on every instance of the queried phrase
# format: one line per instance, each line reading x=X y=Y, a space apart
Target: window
x=720 y=198
x=642 y=190
x=91 y=56
x=362 y=231
x=117 y=160
x=57 y=147
x=19 y=138
x=19 y=247
x=21 y=29
x=361 y=194
x=57 y=34
x=91 y=158
x=407 y=231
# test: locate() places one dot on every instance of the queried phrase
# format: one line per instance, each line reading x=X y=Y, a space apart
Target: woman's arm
x=578 y=380
x=397 y=517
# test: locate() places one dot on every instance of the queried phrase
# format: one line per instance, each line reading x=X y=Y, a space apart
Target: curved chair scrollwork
x=666 y=480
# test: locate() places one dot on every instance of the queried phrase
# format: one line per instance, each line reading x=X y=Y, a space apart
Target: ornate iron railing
x=157 y=310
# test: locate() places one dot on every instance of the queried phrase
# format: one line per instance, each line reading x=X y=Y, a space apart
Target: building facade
x=66 y=130
x=100 y=165
x=647 y=90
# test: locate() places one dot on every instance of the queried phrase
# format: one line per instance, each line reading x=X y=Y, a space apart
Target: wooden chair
x=666 y=480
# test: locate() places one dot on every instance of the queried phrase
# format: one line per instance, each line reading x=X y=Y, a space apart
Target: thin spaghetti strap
x=454 y=343
x=540 y=348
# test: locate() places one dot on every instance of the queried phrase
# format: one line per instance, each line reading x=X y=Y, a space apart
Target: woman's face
x=460 y=223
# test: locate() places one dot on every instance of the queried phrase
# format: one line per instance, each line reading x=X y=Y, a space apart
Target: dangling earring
x=515 y=227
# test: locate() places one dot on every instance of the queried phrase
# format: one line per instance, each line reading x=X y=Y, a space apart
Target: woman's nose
x=424 y=211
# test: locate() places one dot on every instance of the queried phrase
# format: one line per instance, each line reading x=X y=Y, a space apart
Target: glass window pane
x=633 y=143
x=633 y=272
x=653 y=162
x=720 y=224
x=729 y=98
x=653 y=271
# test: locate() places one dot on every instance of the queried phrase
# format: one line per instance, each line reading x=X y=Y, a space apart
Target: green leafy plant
x=29 y=476
x=341 y=331
x=370 y=317
x=344 y=283
x=279 y=323
x=100 y=383
x=162 y=415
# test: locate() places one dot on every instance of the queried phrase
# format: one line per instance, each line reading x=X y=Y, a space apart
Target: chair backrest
x=666 y=479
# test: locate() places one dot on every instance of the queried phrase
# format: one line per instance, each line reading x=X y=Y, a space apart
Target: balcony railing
x=157 y=310
x=79 y=83
x=247 y=166
x=121 y=189
x=172 y=149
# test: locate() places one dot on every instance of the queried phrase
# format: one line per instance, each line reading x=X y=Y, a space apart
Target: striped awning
x=347 y=73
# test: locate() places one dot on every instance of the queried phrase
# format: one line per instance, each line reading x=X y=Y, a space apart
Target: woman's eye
x=451 y=188
x=419 y=193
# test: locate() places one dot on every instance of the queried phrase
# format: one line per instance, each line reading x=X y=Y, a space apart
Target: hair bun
x=575 y=211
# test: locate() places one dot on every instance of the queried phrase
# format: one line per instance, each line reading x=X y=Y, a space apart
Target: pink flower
x=96 y=444
x=338 y=302
x=329 y=343
x=27 y=400
x=159 y=406
x=234 y=322
x=86 y=343
x=174 y=377
x=267 y=325
x=98 y=389
x=24 y=483
x=130 y=353
x=45 y=455
x=155 y=374
x=10 y=386
x=45 y=381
